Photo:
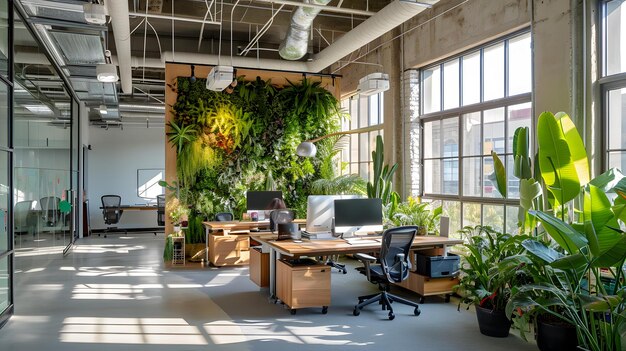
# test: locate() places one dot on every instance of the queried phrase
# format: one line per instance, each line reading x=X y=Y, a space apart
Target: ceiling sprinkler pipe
x=295 y=45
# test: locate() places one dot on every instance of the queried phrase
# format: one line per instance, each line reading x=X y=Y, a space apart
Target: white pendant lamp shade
x=306 y=149
x=107 y=73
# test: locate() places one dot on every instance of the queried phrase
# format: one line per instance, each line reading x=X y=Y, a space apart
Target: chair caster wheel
x=422 y=299
x=417 y=311
x=345 y=271
x=391 y=316
x=447 y=299
x=356 y=311
x=324 y=309
x=292 y=311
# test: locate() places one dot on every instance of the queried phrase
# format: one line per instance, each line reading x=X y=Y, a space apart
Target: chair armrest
x=365 y=257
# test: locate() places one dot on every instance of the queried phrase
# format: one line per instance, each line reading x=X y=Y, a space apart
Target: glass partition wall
x=42 y=132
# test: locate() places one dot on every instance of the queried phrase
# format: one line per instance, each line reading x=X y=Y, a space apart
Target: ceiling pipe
x=296 y=43
x=336 y=9
x=118 y=10
x=385 y=20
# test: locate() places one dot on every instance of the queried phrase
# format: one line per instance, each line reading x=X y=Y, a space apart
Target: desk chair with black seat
x=281 y=221
x=111 y=211
x=394 y=267
x=24 y=218
x=50 y=212
x=161 y=210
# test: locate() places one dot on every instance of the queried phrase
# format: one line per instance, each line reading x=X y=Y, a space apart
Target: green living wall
x=227 y=144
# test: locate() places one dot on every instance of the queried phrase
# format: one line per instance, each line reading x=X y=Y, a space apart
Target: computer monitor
x=358 y=215
x=320 y=211
x=259 y=200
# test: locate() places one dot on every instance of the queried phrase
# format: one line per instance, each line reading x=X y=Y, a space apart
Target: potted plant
x=489 y=272
x=178 y=213
x=412 y=212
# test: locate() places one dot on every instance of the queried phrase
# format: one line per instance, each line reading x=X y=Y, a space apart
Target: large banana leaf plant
x=567 y=269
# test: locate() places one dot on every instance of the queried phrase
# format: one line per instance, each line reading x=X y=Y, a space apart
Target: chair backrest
x=280 y=221
x=224 y=217
x=50 y=209
x=444 y=226
x=161 y=210
x=111 y=210
x=397 y=241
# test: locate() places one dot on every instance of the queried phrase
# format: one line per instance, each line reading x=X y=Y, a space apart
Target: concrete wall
x=112 y=169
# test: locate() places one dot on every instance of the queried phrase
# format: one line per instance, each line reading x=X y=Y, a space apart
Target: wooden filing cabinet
x=229 y=250
x=300 y=286
x=259 y=267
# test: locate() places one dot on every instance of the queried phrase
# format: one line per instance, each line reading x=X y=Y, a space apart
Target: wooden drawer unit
x=259 y=267
x=300 y=286
x=229 y=250
x=427 y=286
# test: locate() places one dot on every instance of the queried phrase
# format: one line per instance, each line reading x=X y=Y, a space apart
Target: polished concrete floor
x=115 y=294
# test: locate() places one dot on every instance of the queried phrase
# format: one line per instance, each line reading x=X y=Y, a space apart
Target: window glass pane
x=431 y=79
x=493 y=130
x=4 y=115
x=450 y=176
x=450 y=137
x=354 y=148
x=345 y=121
x=520 y=72
x=512 y=219
x=432 y=139
x=472 y=176
x=451 y=84
x=493 y=216
x=471 y=134
x=5 y=283
x=471 y=78
x=512 y=182
x=493 y=68
x=363 y=111
x=372 y=136
x=617 y=160
x=4 y=37
x=615 y=37
x=452 y=209
x=374 y=110
x=354 y=113
x=4 y=202
x=432 y=177
x=617 y=119
x=518 y=116
x=364 y=149
x=381 y=104
x=471 y=214
x=354 y=168
x=364 y=170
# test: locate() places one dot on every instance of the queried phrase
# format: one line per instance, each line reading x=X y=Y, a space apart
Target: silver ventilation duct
x=295 y=45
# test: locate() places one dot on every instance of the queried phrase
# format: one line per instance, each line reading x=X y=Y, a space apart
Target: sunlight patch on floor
x=151 y=331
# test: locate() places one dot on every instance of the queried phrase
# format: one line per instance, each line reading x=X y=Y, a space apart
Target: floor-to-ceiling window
x=6 y=157
x=614 y=82
x=469 y=106
x=365 y=112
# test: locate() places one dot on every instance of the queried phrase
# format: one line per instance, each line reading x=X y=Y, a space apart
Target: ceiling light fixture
x=373 y=84
x=39 y=109
x=107 y=73
x=220 y=78
x=103 y=110
x=95 y=13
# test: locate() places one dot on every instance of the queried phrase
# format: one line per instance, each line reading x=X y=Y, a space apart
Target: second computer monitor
x=259 y=200
x=320 y=211
x=358 y=215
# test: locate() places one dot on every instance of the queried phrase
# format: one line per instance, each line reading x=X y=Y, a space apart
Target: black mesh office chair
x=224 y=217
x=281 y=221
x=24 y=218
x=50 y=210
x=111 y=211
x=393 y=268
x=160 y=210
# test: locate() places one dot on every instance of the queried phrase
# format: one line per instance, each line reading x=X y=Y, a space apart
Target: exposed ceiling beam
x=175 y=18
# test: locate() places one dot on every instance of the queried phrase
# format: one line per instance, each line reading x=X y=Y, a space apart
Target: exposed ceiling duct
x=296 y=43
x=118 y=10
x=391 y=16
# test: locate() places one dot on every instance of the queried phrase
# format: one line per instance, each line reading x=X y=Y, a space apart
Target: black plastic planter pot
x=493 y=323
x=552 y=337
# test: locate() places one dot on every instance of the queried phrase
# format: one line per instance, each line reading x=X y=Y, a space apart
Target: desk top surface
x=137 y=207
x=352 y=245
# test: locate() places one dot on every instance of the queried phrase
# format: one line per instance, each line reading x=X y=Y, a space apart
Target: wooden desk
x=315 y=248
x=228 y=243
x=136 y=208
